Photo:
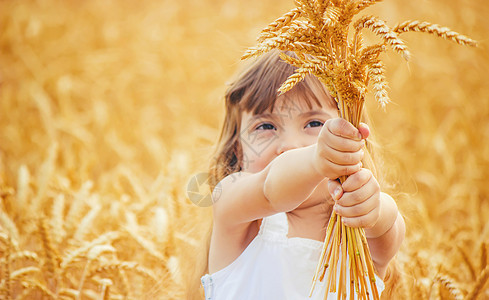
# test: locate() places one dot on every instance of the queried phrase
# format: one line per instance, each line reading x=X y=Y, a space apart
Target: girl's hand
x=339 y=148
x=357 y=199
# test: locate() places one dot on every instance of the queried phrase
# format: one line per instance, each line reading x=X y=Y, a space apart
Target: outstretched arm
x=282 y=186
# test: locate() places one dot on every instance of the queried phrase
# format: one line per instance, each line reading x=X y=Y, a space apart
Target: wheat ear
x=7 y=223
x=366 y=3
x=93 y=254
x=331 y=16
x=52 y=261
x=274 y=27
x=450 y=285
x=310 y=11
x=57 y=219
x=34 y=284
x=296 y=62
x=283 y=43
x=126 y=266
x=380 y=28
x=22 y=255
x=106 y=238
x=435 y=29
x=293 y=79
x=376 y=73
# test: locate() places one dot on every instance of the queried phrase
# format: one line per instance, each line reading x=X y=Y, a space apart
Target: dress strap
x=275 y=225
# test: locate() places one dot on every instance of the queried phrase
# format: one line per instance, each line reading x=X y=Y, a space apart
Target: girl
x=275 y=170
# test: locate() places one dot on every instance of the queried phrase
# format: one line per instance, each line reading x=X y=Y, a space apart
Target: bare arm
x=282 y=186
x=385 y=237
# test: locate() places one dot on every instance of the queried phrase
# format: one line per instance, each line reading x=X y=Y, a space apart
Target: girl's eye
x=314 y=124
x=266 y=126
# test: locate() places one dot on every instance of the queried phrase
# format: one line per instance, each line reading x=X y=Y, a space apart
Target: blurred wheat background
x=107 y=108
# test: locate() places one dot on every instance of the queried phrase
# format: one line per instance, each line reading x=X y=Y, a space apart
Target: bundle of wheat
x=318 y=32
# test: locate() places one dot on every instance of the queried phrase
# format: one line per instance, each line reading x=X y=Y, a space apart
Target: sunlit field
x=108 y=108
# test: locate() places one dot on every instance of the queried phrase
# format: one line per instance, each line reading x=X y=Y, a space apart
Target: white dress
x=273 y=266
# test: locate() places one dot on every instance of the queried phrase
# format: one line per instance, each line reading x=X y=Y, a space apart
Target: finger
x=364 y=130
x=366 y=221
x=357 y=180
x=323 y=190
x=333 y=171
x=358 y=210
x=357 y=196
x=338 y=142
x=343 y=128
x=335 y=190
x=340 y=157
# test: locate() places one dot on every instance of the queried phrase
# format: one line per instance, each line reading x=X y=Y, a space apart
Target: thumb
x=335 y=189
x=364 y=130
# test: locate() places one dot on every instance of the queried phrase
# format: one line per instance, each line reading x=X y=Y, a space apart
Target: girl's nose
x=289 y=142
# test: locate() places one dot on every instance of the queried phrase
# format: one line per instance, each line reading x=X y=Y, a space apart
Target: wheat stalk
x=77 y=207
x=20 y=273
x=479 y=284
x=106 y=283
x=22 y=185
x=33 y=284
x=124 y=282
x=93 y=254
x=133 y=229
x=86 y=221
x=483 y=260
x=467 y=260
x=6 y=268
x=69 y=293
x=102 y=239
x=126 y=266
x=434 y=293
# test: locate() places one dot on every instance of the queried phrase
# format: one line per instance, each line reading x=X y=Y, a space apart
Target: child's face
x=291 y=125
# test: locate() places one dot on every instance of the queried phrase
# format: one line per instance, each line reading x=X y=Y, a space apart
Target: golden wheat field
x=107 y=108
